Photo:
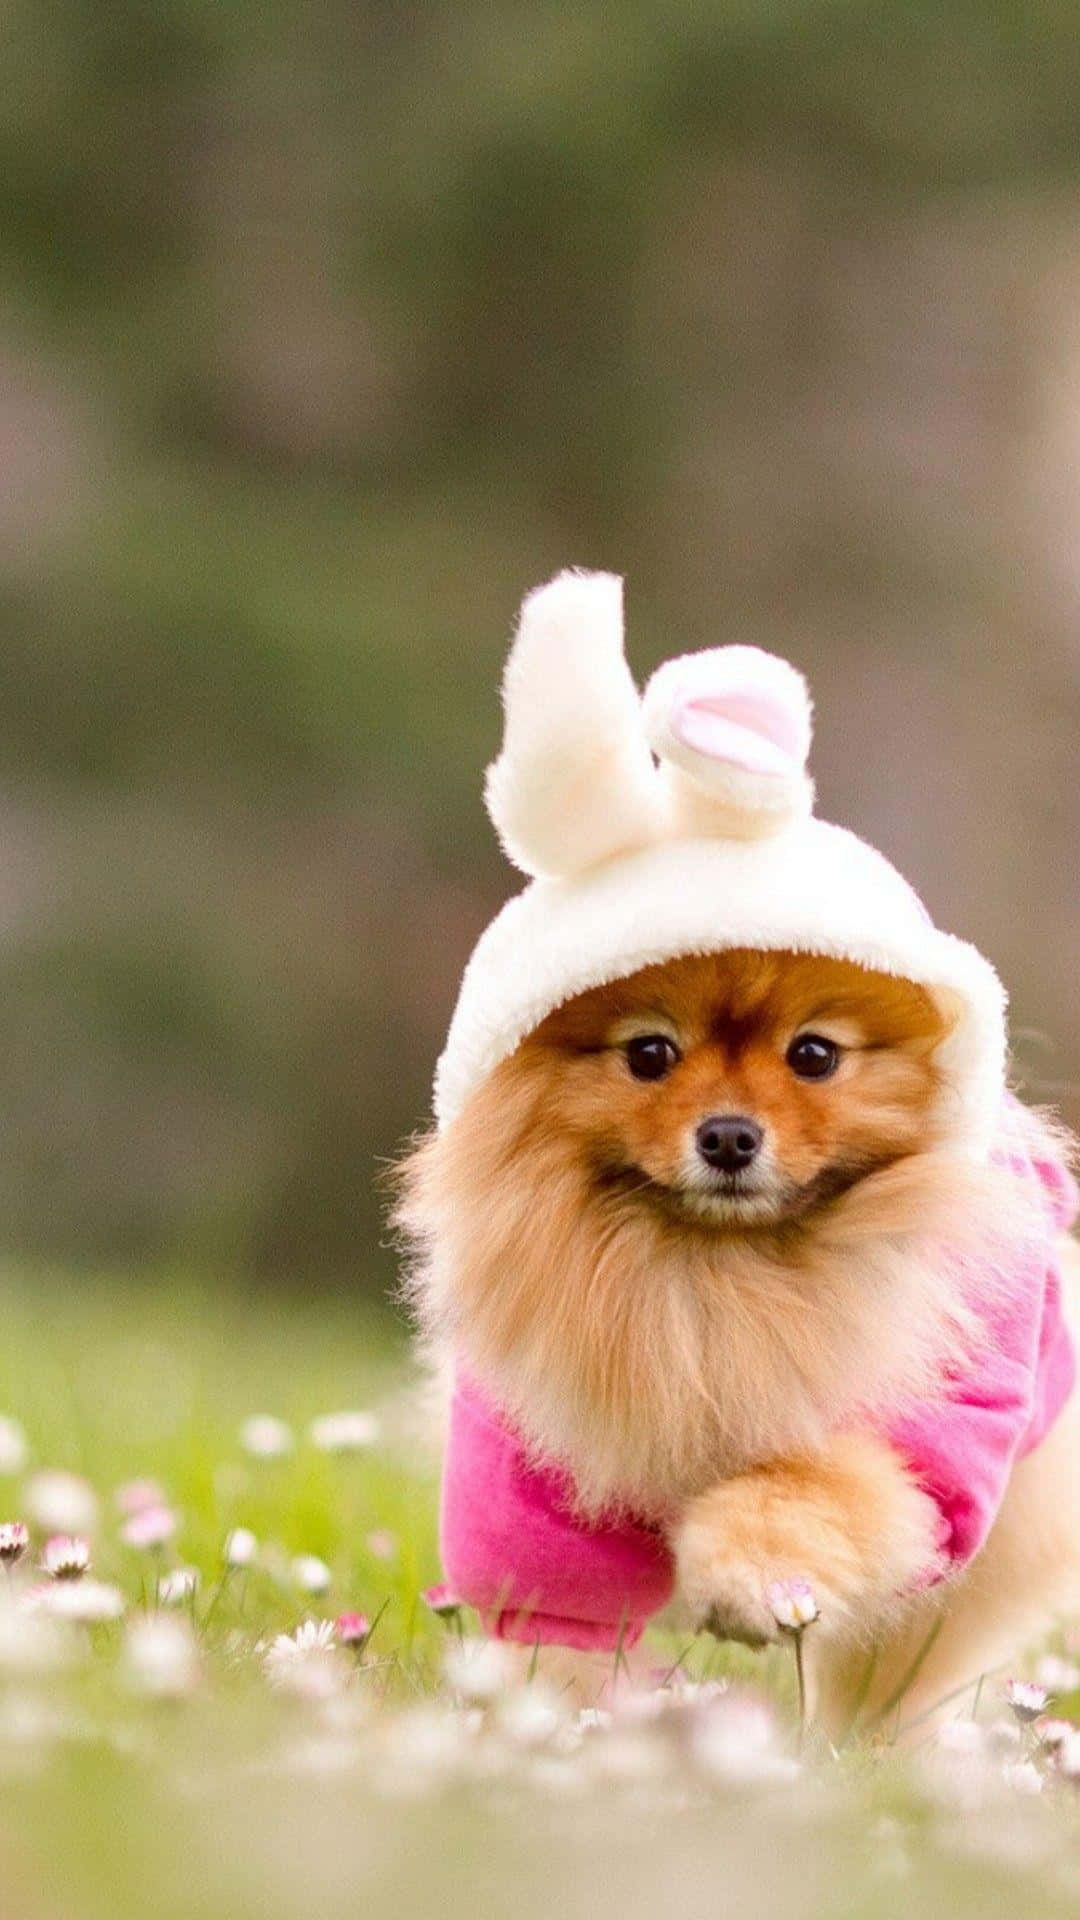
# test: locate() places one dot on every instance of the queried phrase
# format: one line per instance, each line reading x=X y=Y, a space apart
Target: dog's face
x=676 y=1230
x=741 y=1089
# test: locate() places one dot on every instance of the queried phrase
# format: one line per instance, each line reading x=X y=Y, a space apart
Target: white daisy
x=311 y=1636
x=240 y=1547
x=13 y=1447
x=347 y=1432
x=478 y=1670
x=88 y=1601
x=266 y=1437
x=961 y=1736
x=307 y=1662
x=531 y=1716
x=161 y=1656
x=60 y=1502
x=28 y=1642
x=734 y=1741
x=1057 y=1675
x=1054 y=1734
x=311 y=1574
x=1024 y=1777
x=177 y=1586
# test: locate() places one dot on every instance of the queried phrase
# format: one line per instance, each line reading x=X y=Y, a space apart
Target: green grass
x=383 y=1797
x=120 y=1382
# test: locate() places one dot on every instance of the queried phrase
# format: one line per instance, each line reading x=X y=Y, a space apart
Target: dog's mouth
x=734 y=1200
x=723 y=1199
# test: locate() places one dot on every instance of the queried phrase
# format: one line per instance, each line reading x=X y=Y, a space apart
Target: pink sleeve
x=1000 y=1401
x=513 y=1548
x=961 y=1449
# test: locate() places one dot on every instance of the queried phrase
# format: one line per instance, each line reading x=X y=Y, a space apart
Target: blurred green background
x=324 y=333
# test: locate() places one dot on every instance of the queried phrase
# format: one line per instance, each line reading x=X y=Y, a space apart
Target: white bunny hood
x=709 y=845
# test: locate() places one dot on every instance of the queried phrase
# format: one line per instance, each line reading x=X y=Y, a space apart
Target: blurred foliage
x=326 y=331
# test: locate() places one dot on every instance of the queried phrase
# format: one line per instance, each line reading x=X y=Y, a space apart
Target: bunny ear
x=575 y=781
x=732 y=727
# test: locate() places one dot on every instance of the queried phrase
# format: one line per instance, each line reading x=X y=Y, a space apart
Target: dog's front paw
x=850 y=1522
x=728 y=1572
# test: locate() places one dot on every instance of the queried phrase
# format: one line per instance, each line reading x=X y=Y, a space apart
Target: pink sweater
x=514 y=1548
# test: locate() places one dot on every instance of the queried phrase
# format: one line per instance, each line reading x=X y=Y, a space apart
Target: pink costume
x=514 y=1549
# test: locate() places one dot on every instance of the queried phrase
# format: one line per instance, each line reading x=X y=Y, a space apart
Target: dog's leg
x=1027 y=1575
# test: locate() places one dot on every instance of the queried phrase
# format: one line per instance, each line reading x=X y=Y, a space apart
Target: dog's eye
x=813 y=1057
x=651 y=1055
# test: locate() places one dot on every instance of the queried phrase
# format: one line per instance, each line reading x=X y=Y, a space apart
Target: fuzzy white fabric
x=575 y=781
x=731 y=728
x=714 y=848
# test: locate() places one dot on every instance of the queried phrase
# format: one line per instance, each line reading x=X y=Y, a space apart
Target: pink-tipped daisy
x=382 y=1544
x=1026 y=1698
x=135 y=1496
x=14 y=1540
x=352 y=1629
x=442 y=1601
x=792 y=1603
x=149 y=1528
x=66 y=1556
x=1057 y=1675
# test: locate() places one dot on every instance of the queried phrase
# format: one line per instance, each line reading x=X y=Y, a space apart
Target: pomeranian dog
x=708 y=1240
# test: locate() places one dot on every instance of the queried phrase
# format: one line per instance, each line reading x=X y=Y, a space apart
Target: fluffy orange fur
x=691 y=1346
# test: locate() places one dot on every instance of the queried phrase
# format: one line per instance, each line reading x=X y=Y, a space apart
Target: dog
x=729 y=1275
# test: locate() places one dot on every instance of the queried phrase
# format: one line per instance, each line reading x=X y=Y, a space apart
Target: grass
x=375 y=1785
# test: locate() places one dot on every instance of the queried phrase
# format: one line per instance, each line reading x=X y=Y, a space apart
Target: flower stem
x=216 y=1596
x=800 y=1676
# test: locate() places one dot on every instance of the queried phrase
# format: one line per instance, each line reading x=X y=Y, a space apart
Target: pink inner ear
x=749 y=730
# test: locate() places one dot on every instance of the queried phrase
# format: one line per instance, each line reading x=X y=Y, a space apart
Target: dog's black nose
x=728 y=1141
